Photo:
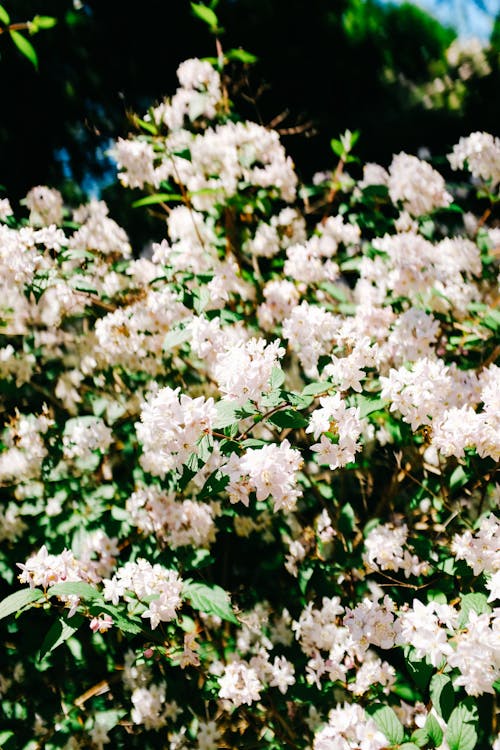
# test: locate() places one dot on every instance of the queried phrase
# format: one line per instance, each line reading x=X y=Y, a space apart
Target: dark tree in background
x=336 y=64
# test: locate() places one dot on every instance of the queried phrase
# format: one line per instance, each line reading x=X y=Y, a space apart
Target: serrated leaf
x=461 y=731
x=442 y=695
x=25 y=47
x=226 y=414
x=288 y=418
x=58 y=633
x=18 y=600
x=151 y=200
x=386 y=720
x=434 y=731
x=472 y=603
x=74 y=588
x=4 y=16
x=205 y=14
x=212 y=600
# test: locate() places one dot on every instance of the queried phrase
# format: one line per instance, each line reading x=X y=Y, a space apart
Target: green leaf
x=58 y=633
x=369 y=405
x=313 y=389
x=76 y=588
x=25 y=47
x=4 y=16
x=461 y=732
x=472 y=603
x=18 y=600
x=288 y=418
x=214 y=484
x=176 y=336
x=408 y=746
x=419 y=737
x=205 y=14
x=151 y=200
x=277 y=378
x=442 y=695
x=8 y=740
x=387 y=721
x=434 y=731
x=42 y=22
x=242 y=56
x=226 y=414
x=419 y=670
x=124 y=622
x=212 y=600
x=337 y=147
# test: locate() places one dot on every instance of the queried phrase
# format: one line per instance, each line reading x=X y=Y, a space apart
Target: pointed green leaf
x=44 y=22
x=205 y=14
x=25 y=47
x=212 y=600
x=242 y=56
x=4 y=16
x=18 y=600
x=288 y=418
x=442 y=695
x=151 y=200
x=386 y=720
x=434 y=731
x=472 y=603
x=461 y=732
x=58 y=633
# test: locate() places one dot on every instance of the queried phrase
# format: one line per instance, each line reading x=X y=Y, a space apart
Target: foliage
x=248 y=479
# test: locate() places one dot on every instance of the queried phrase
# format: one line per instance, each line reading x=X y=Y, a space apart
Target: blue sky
x=469 y=17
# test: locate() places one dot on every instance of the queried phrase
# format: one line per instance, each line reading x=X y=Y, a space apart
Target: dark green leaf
x=288 y=418
x=59 y=632
x=442 y=695
x=212 y=600
x=122 y=621
x=18 y=600
x=387 y=721
x=25 y=47
x=419 y=669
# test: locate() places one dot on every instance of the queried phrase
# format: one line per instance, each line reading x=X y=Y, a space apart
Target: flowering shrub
x=249 y=482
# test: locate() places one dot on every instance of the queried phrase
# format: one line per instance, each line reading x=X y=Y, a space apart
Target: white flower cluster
x=333 y=416
x=84 y=435
x=349 y=727
x=417 y=185
x=177 y=523
x=267 y=471
x=162 y=588
x=480 y=152
x=170 y=426
x=387 y=549
x=243 y=371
